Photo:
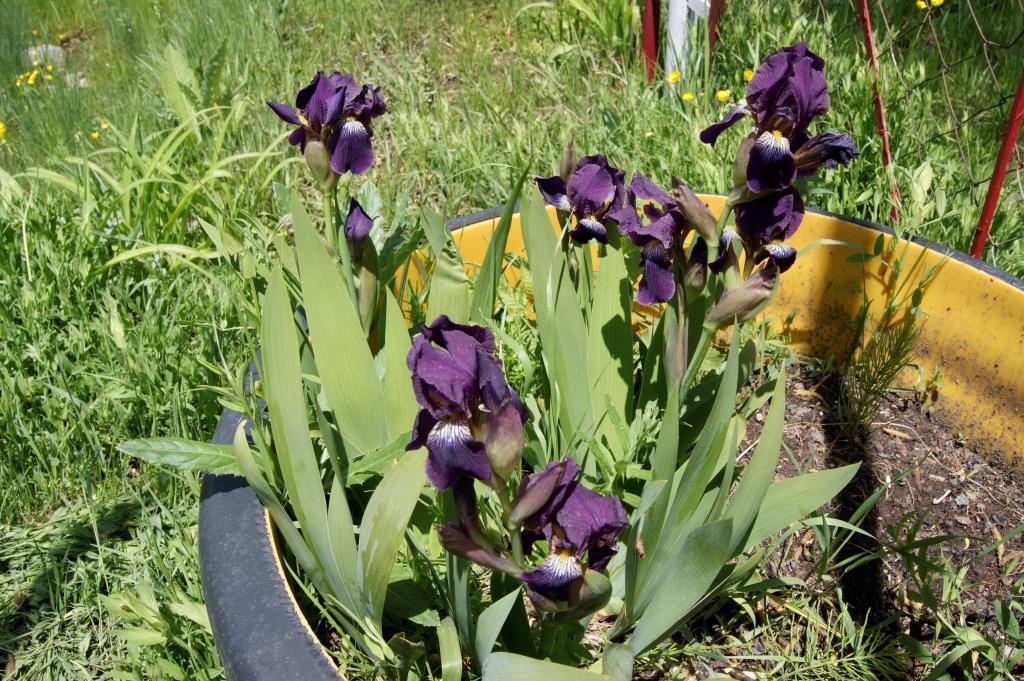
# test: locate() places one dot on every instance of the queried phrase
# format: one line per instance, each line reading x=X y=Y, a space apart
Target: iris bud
x=319 y=161
x=745 y=301
x=568 y=164
x=505 y=439
x=695 y=275
x=536 y=491
x=454 y=540
x=695 y=212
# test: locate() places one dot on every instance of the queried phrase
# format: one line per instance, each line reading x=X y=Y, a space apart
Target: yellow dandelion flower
x=722 y=96
x=60 y=37
x=35 y=32
x=921 y=4
x=32 y=77
x=35 y=62
x=95 y=134
x=49 y=77
x=49 y=67
x=687 y=96
x=673 y=77
x=3 y=130
x=104 y=125
x=748 y=75
x=936 y=3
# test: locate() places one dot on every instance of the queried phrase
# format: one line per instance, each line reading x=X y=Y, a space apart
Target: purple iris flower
x=357 y=223
x=463 y=396
x=576 y=522
x=594 y=190
x=786 y=93
x=765 y=222
x=335 y=111
x=657 y=226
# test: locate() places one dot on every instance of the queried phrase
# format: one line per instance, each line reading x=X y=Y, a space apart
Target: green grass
x=90 y=357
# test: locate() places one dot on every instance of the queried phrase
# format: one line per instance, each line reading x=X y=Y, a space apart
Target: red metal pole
x=714 y=11
x=995 y=185
x=652 y=10
x=883 y=129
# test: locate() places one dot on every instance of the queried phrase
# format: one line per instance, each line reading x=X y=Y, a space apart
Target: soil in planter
x=934 y=484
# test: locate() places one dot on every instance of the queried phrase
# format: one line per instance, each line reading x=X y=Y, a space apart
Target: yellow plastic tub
x=973 y=331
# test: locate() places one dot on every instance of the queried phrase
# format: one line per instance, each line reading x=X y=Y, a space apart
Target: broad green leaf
x=697 y=472
x=449 y=285
x=703 y=555
x=489 y=278
x=789 y=500
x=491 y=621
x=398 y=394
x=346 y=367
x=512 y=667
x=617 y=664
x=610 y=340
x=343 y=544
x=186 y=455
x=666 y=457
x=457 y=579
x=377 y=461
x=757 y=476
x=265 y=493
x=286 y=403
x=451 y=653
x=560 y=323
x=383 y=528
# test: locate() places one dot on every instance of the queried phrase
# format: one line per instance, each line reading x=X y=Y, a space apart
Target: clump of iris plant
x=471 y=422
x=785 y=95
x=333 y=115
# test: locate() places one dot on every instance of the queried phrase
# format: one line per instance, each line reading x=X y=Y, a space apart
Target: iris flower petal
x=590 y=190
x=709 y=135
x=770 y=218
x=771 y=165
x=352 y=149
x=553 y=190
x=357 y=223
x=285 y=113
x=657 y=284
x=452 y=452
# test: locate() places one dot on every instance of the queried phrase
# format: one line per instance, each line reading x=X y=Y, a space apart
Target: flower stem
x=338 y=241
x=547 y=638
x=501 y=489
x=698 y=358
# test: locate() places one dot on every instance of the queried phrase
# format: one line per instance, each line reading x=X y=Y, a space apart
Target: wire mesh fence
x=959 y=63
x=947 y=73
